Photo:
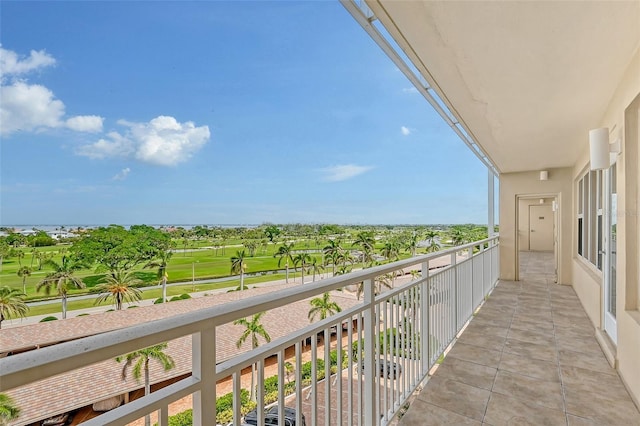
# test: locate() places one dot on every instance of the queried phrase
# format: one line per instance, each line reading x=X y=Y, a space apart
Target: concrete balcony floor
x=529 y=357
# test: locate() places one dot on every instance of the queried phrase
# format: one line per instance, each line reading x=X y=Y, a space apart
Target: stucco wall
x=587 y=285
x=523 y=184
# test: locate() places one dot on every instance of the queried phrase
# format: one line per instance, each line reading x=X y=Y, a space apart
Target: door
x=610 y=252
x=541 y=228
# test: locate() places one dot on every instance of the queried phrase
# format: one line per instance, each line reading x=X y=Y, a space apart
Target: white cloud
x=405 y=131
x=122 y=174
x=28 y=107
x=343 y=172
x=409 y=90
x=114 y=145
x=162 y=141
x=32 y=107
x=12 y=64
x=85 y=123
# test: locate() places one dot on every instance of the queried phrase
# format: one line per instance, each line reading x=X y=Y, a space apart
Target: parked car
x=271 y=417
x=392 y=371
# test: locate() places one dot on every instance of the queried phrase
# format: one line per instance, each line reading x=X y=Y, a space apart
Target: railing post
x=454 y=266
x=425 y=301
x=204 y=369
x=370 y=322
x=163 y=416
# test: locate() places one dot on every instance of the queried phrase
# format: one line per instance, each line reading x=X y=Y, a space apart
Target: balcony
x=528 y=357
x=528 y=352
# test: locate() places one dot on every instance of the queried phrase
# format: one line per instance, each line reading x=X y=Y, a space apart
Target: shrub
x=49 y=318
x=157 y=301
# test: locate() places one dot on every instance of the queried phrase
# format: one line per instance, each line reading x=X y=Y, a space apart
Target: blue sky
x=217 y=113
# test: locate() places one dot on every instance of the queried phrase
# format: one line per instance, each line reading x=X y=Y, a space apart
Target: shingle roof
x=102 y=380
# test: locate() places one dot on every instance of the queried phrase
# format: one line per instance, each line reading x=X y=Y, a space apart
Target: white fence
x=364 y=361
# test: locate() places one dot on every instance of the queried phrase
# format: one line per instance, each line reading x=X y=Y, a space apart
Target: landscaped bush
x=157 y=301
x=224 y=404
x=49 y=318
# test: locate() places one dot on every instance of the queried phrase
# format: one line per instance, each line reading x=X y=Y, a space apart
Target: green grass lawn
x=175 y=290
x=183 y=267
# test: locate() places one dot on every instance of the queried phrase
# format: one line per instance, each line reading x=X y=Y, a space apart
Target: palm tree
x=412 y=244
x=12 y=303
x=251 y=245
x=366 y=242
x=24 y=272
x=254 y=330
x=161 y=263
x=239 y=266
x=315 y=267
x=8 y=409
x=285 y=251
x=433 y=246
x=323 y=306
x=333 y=251
x=390 y=251
x=60 y=278
x=119 y=287
x=19 y=254
x=301 y=258
x=380 y=281
x=140 y=361
x=457 y=236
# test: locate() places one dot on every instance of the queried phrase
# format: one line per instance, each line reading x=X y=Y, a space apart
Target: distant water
x=75 y=226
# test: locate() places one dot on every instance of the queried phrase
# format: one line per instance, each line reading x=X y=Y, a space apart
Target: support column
x=491 y=200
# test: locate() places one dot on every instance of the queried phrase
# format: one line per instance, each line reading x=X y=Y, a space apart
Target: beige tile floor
x=529 y=357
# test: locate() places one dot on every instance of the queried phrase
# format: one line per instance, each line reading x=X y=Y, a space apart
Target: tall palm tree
x=302 y=259
x=24 y=272
x=315 y=267
x=252 y=329
x=161 y=263
x=19 y=254
x=366 y=242
x=12 y=303
x=390 y=250
x=140 y=361
x=8 y=409
x=431 y=236
x=119 y=287
x=239 y=266
x=412 y=243
x=285 y=252
x=457 y=236
x=60 y=278
x=333 y=251
x=323 y=307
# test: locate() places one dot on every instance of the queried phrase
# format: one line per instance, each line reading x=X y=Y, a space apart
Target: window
x=590 y=220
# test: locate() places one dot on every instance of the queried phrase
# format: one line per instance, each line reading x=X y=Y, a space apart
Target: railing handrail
x=21 y=369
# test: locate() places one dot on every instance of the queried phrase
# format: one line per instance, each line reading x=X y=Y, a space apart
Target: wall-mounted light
x=601 y=151
x=544 y=175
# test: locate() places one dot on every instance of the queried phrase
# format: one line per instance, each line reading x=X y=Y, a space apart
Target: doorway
x=537 y=233
x=541 y=226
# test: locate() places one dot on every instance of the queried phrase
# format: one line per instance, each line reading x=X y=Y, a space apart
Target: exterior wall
x=524 y=184
x=619 y=117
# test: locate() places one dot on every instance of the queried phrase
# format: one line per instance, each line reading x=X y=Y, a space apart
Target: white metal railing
x=365 y=361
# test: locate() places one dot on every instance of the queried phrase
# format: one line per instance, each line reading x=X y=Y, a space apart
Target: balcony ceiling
x=528 y=79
